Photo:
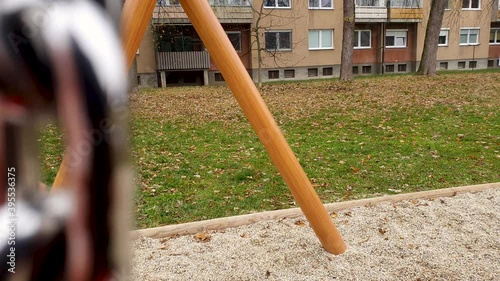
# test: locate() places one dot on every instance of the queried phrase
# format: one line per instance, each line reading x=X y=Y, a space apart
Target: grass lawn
x=196 y=156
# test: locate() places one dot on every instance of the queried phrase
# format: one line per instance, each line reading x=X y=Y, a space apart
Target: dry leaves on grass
x=295 y=100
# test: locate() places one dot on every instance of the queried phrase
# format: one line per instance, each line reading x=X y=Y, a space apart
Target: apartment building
x=302 y=39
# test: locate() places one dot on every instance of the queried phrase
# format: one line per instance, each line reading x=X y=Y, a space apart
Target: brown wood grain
x=223 y=54
x=135 y=19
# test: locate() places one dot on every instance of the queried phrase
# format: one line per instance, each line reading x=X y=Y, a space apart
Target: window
x=389 y=68
x=366 y=69
x=320 y=4
x=312 y=72
x=278 y=40
x=473 y=64
x=320 y=39
x=461 y=65
x=447 y=5
x=443 y=65
x=406 y=3
x=495 y=36
x=327 y=71
x=471 y=4
x=289 y=73
x=395 y=38
x=277 y=3
x=235 y=38
x=443 y=37
x=469 y=36
x=178 y=39
x=355 y=69
x=401 y=67
x=218 y=77
x=362 y=38
x=273 y=74
x=491 y=63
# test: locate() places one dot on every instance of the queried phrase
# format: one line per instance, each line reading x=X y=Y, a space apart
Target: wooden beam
x=135 y=20
x=230 y=222
x=225 y=57
x=136 y=16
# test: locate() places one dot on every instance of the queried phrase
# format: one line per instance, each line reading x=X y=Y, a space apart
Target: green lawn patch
x=196 y=156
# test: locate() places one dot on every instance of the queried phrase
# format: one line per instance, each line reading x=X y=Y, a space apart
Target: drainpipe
x=473 y=57
x=382 y=42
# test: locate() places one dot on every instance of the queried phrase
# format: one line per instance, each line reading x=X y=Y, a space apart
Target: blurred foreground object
x=63 y=59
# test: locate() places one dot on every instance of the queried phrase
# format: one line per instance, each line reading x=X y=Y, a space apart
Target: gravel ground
x=455 y=238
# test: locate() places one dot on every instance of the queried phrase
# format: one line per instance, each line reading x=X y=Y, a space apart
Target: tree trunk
x=347 y=41
x=259 y=47
x=259 y=55
x=429 y=54
x=132 y=75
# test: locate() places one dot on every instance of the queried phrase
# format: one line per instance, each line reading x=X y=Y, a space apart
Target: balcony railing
x=406 y=10
x=182 y=60
x=371 y=10
x=371 y=3
x=227 y=11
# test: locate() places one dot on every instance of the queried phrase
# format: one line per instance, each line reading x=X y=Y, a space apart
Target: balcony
x=227 y=11
x=182 y=60
x=371 y=11
x=405 y=11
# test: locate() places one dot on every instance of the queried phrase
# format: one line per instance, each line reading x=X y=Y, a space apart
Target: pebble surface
x=451 y=238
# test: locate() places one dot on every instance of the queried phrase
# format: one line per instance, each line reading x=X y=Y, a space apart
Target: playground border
x=235 y=221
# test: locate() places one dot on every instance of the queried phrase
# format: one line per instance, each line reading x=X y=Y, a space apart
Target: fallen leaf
x=300 y=223
x=355 y=170
x=202 y=237
x=382 y=231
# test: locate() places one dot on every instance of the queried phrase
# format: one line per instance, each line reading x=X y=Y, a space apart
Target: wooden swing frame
x=135 y=19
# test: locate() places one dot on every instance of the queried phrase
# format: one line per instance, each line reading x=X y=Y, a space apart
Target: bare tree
x=429 y=54
x=257 y=36
x=266 y=20
x=347 y=41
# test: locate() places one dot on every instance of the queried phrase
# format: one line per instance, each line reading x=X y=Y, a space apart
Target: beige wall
x=146 y=62
x=300 y=20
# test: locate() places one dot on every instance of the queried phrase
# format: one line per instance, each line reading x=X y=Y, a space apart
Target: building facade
x=302 y=39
